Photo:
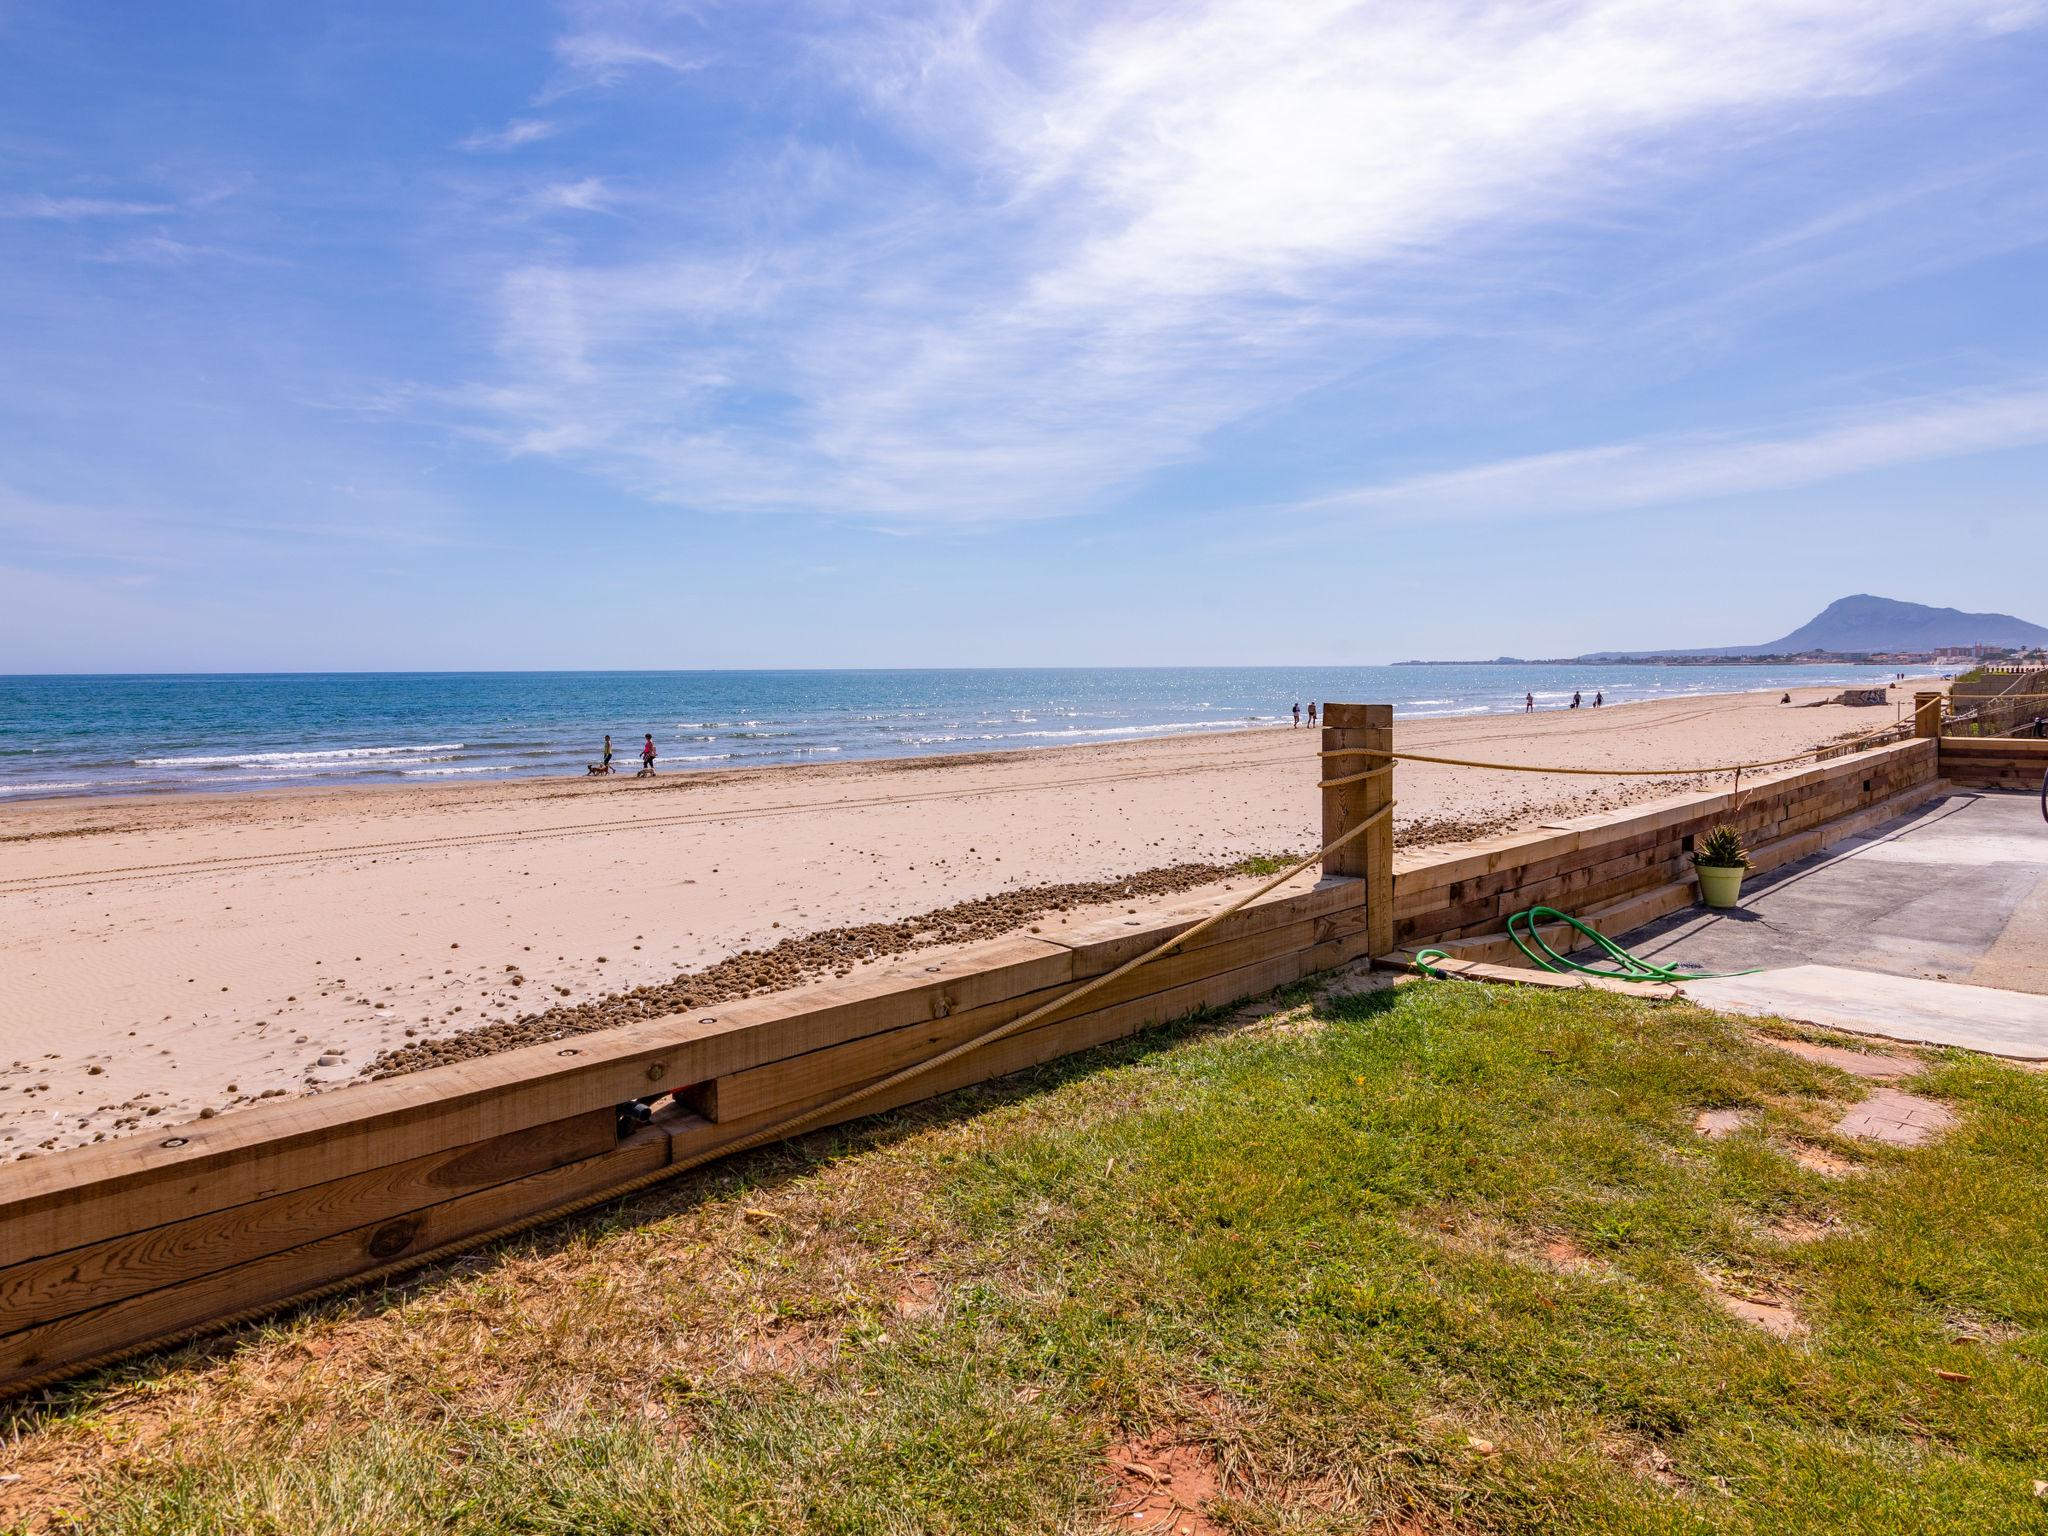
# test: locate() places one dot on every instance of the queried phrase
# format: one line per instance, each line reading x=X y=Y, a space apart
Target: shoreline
x=167 y=957
x=626 y=782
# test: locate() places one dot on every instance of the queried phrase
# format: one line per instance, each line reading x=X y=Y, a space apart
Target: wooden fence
x=1994 y=762
x=146 y=1238
x=1986 y=708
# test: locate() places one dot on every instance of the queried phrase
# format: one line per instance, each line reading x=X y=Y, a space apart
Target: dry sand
x=162 y=959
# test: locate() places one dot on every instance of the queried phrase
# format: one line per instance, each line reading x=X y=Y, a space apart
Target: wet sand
x=163 y=959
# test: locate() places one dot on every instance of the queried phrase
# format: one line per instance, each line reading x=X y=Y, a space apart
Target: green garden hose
x=1626 y=966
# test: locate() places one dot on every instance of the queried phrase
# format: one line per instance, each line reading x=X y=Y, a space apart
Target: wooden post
x=1927 y=714
x=1371 y=727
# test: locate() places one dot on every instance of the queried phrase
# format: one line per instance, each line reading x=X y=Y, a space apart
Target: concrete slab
x=2016 y=958
x=1907 y=1008
x=1955 y=891
x=1899 y=1119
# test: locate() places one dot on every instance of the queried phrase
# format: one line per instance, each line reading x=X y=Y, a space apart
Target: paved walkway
x=1953 y=896
x=1987 y=1019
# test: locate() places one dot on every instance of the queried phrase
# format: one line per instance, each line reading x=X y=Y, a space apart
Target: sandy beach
x=162 y=959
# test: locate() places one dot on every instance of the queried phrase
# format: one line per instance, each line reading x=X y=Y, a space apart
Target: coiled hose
x=1625 y=967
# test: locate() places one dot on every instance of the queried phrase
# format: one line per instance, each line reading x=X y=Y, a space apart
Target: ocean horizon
x=171 y=733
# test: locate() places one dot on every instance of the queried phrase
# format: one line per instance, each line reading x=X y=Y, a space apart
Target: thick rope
x=780 y=1131
x=1606 y=773
x=1355 y=778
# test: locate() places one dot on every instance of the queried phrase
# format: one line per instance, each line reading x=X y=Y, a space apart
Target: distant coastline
x=1626 y=659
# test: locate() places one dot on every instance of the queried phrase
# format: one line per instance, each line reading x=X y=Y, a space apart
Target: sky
x=629 y=333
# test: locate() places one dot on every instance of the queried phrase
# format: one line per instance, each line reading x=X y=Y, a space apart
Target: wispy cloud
x=1124 y=233
x=1679 y=470
x=521 y=130
x=598 y=58
x=163 y=251
x=608 y=40
x=586 y=194
x=73 y=209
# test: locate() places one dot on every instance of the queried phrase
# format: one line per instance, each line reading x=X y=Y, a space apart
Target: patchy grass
x=1262 y=866
x=1441 y=1259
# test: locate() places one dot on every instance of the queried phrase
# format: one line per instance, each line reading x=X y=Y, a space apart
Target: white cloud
x=521 y=130
x=588 y=194
x=597 y=58
x=1128 y=233
x=72 y=209
x=1669 y=471
x=609 y=40
x=1258 y=147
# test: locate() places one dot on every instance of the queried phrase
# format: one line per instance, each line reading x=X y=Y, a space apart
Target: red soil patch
x=1163 y=1488
x=1775 y=1317
x=1882 y=1067
x=916 y=1296
x=786 y=1349
x=1802 y=1229
x=1716 y=1123
x=1820 y=1160
x=1567 y=1257
x=1763 y=1309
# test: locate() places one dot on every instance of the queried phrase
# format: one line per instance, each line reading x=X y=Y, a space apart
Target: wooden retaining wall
x=1623 y=868
x=134 y=1240
x=128 y=1241
x=1994 y=762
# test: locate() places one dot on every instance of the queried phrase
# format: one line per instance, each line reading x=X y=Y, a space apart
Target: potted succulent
x=1720 y=860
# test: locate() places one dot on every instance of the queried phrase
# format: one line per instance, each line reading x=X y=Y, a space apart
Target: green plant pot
x=1720 y=886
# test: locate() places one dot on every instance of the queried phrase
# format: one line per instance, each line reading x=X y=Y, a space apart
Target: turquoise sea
x=168 y=734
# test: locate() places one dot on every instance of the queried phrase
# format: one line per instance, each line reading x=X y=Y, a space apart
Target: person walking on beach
x=1528 y=703
x=647 y=758
x=1297 y=714
x=1311 y=714
x=1599 y=699
x=607 y=751
x=1575 y=698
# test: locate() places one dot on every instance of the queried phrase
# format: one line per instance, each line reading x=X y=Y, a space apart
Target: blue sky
x=650 y=334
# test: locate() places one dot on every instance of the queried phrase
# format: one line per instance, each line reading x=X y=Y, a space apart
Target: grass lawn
x=1435 y=1259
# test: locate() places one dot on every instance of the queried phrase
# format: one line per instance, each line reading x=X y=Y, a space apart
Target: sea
x=177 y=734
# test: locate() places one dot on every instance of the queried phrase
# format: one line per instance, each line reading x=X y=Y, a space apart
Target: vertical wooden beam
x=1927 y=715
x=1370 y=727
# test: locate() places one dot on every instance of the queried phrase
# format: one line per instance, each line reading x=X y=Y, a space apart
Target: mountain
x=1863 y=624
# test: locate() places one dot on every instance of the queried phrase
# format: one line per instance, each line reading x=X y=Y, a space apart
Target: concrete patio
x=1932 y=928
